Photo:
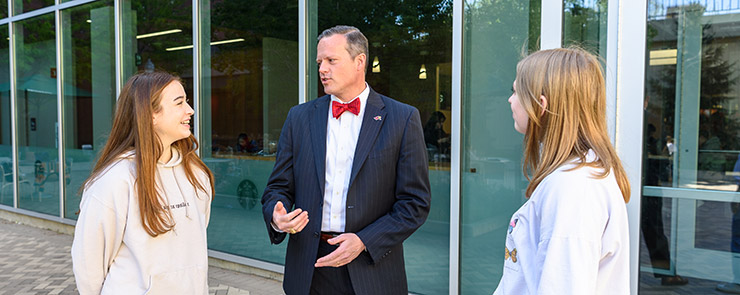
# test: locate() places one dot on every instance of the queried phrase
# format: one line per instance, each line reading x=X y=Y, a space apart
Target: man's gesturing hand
x=350 y=246
x=292 y=222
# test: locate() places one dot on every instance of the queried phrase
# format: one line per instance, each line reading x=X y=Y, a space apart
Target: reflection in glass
x=691 y=170
x=158 y=35
x=492 y=180
x=89 y=90
x=6 y=154
x=4 y=10
x=249 y=82
x=412 y=42
x=21 y=6
x=584 y=25
x=37 y=122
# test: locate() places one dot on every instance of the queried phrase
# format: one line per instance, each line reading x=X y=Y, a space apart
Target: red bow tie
x=338 y=108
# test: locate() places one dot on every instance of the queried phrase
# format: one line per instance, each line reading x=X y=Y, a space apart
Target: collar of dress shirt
x=363 y=100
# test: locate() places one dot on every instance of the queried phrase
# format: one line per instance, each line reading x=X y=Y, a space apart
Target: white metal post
x=630 y=80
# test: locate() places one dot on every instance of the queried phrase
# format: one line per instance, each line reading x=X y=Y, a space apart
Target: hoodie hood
x=175 y=160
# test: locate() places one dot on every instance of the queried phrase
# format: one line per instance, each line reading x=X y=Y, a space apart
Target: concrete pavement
x=37 y=261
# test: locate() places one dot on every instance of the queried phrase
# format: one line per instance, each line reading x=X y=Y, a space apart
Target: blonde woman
x=571 y=235
x=146 y=205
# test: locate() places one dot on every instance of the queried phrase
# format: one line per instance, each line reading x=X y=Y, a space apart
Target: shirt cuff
x=275 y=228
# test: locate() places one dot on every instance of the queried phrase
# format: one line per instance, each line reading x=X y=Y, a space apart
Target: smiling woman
x=149 y=160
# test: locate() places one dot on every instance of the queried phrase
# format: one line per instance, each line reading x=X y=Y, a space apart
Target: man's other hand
x=350 y=246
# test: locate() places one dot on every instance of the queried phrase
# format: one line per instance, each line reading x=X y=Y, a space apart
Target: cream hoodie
x=113 y=254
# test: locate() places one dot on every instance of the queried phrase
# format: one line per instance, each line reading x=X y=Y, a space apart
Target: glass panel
x=492 y=181
x=3 y=9
x=89 y=91
x=410 y=58
x=250 y=81
x=690 y=221
x=21 y=6
x=158 y=35
x=6 y=148
x=584 y=25
x=37 y=122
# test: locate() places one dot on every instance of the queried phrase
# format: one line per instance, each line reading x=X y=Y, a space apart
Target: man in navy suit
x=350 y=181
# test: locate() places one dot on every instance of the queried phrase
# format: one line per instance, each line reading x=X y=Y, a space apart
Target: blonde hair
x=573 y=120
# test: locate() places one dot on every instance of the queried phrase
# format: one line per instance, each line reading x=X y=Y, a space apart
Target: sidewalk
x=37 y=261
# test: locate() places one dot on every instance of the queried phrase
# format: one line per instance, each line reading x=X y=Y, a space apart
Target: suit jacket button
x=315 y=234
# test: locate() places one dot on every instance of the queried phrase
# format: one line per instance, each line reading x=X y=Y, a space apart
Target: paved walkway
x=37 y=261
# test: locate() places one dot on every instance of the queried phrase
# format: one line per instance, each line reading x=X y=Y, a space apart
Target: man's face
x=340 y=74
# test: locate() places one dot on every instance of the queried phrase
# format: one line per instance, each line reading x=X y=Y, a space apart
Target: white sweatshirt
x=570 y=237
x=113 y=254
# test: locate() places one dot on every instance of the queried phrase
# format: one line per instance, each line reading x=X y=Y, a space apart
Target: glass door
x=690 y=219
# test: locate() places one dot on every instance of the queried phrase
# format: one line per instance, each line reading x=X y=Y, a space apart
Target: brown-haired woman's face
x=521 y=119
x=172 y=122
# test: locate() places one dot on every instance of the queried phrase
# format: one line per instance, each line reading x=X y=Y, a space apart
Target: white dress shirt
x=341 y=140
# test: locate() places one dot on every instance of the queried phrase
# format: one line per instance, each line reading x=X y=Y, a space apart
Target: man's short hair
x=356 y=41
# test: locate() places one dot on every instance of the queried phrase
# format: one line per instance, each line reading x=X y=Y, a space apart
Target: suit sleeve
x=98 y=237
x=412 y=194
x=280 y=185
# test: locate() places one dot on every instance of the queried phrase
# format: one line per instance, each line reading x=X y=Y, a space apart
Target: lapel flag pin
x=377 y=118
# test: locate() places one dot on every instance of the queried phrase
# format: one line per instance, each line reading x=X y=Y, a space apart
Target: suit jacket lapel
x=318 y=136
x=371 y=123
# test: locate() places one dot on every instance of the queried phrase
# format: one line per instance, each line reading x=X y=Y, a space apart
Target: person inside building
x=437 y=140
x=146 y=204
x=245 y=145
x=571 y=235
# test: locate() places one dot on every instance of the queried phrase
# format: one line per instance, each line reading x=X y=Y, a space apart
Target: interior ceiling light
x=212 y=43
x=158 y=33
x=376 y=65
x=663 y=57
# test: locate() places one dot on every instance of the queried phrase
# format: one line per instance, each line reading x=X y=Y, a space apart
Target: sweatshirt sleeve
x=571 y=224
x=98 y=237
x=209 y=201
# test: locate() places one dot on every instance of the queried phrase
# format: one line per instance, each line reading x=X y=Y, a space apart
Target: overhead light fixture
x=376 y=65
x=422 y=72
x=179 y=48
x=158 y=33
x=212 y=43
x=663 y=57
x=227 y=41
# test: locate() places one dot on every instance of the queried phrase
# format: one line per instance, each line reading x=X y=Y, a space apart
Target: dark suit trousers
x=330 y=280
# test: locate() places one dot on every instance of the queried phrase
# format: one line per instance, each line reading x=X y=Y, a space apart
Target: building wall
x=245 y=63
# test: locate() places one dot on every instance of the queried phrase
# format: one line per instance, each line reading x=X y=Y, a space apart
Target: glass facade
x=249 y=81
x=246 y=63
x=23 y=6
x=89 y=91
x=492 y=183
x=584 y=25
x=6 y=125
x=690 y=221
x=36 y=114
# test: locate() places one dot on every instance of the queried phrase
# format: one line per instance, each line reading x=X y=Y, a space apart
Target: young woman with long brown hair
x=571 y=236
x=146 y=205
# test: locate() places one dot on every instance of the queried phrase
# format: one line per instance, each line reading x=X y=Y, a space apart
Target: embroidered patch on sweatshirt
x=512 y=224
